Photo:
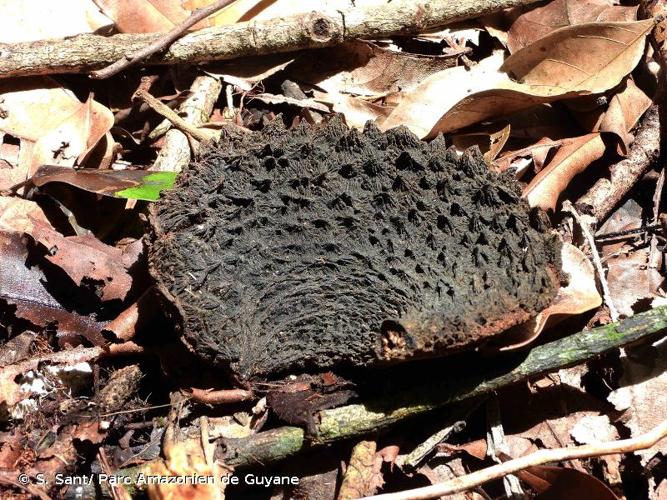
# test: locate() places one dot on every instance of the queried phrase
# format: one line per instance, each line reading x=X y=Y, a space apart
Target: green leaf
x=150 y=187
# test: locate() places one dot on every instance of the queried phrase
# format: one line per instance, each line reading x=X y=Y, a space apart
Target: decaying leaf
x=27 y=20
x=541 y=21
x=592 y=57
x=457 y=97
x=571 y=159
x=53 y=126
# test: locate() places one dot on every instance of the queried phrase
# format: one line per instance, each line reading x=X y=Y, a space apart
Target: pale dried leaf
x=642 y=394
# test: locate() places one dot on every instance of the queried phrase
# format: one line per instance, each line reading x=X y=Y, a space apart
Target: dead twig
x=162 y=43
x=83 y=53
x=540 y=457
x=613 y=312
x=223 y=396
x=172 y=116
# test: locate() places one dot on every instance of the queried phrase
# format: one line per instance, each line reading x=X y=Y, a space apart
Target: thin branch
x=160 y=44
x=613 y=312
x=172 y=116
x=540 y=457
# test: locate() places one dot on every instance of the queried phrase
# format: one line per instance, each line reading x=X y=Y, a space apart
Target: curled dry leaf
x=541 y=21
x=592 y=57
x=620 y=116
x=83 y=258
x=364 y=69
x=572 y=158
x=580 y=295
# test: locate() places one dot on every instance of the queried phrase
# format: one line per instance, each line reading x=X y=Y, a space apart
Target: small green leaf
x=150 y=187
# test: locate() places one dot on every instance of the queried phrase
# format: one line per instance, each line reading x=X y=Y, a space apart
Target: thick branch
x=359 y=419
x=316 y=29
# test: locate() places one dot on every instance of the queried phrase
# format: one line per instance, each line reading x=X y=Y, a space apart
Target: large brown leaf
x=541 y=21
x=591 y=57
x=458 y=97
x=571 y=159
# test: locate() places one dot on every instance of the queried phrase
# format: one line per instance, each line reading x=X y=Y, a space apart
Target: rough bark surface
x=314 y=248
x=317 y=29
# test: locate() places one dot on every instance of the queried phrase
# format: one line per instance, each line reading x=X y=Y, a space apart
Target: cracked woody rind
x=307 y=249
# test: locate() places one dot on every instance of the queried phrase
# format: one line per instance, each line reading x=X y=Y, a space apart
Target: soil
x=312 y=248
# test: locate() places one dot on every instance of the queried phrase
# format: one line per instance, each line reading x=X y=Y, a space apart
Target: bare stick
x=161 y=43
x=540 y=457
x=605 y=194
x=83 y=53
x=172 y=116
x=223 y=396
x=613 y=312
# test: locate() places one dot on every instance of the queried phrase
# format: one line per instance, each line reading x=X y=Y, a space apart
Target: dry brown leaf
x=244 y=10
x=541 y=21
x=86 y=258
x=74 y=137
x=571 y=159
x=143 y=16
x=580 y=295
x=630 y=277
x=364 y=69
x=592 y=57
x=556 y=483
